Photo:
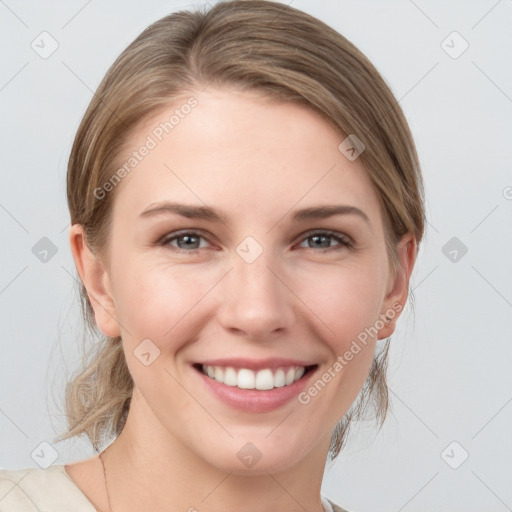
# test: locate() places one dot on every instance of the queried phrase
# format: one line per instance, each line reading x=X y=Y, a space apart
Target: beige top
x=52 y=490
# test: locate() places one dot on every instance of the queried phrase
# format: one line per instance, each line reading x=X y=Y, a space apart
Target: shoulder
x=33 y=490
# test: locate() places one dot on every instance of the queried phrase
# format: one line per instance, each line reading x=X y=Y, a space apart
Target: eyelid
x=344 y=238
x=344 y=241
x=176 y=234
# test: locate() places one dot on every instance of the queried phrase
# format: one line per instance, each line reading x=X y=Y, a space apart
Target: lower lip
x=253 y=400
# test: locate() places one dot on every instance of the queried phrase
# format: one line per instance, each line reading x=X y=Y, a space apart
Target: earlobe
x=96 y=280
x=398 y=289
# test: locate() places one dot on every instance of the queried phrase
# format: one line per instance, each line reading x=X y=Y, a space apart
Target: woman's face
x=253 y=283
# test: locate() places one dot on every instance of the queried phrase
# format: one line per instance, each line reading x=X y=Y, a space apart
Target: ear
x=398 y=286
x=96 y=280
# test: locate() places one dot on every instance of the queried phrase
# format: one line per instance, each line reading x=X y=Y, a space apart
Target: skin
x=257 y=162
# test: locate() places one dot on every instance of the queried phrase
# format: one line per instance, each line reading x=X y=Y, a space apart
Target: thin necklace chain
x=105 y=478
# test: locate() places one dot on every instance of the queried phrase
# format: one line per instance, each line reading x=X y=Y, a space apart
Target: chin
x=243 y=457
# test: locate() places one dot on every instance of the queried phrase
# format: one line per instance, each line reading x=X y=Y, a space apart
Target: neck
x=149 y=469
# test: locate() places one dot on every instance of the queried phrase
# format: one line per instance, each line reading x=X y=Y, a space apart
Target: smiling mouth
x=264 y=379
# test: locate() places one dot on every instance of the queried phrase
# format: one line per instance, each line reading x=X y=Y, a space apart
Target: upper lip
x=255 y=364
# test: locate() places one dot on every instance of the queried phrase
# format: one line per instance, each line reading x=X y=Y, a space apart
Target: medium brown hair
x=258 y=45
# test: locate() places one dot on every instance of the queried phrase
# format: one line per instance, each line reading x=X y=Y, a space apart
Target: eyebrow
x=210 y=214
x=326 y=211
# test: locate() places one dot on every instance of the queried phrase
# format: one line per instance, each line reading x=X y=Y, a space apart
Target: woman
x=246 y=208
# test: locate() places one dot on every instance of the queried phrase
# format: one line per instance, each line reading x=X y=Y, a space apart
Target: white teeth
x=264 y=380
x=230 y=378
x=219 y=374
x=248 y=379
x=279 y=381
x=299 y=373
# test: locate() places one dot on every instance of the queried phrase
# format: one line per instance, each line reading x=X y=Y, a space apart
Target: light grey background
x=450 y=372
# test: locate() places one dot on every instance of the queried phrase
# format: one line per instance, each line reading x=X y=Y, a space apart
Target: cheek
x=156 y=301
x=348 y=302
x=160 y=303
x=346 y=299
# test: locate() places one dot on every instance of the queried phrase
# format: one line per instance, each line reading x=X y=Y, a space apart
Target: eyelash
x=343 y=240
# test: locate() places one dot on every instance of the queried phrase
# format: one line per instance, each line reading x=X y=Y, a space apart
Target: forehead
x=236 y=150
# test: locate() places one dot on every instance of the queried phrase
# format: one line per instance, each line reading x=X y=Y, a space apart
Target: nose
x=256 y=299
